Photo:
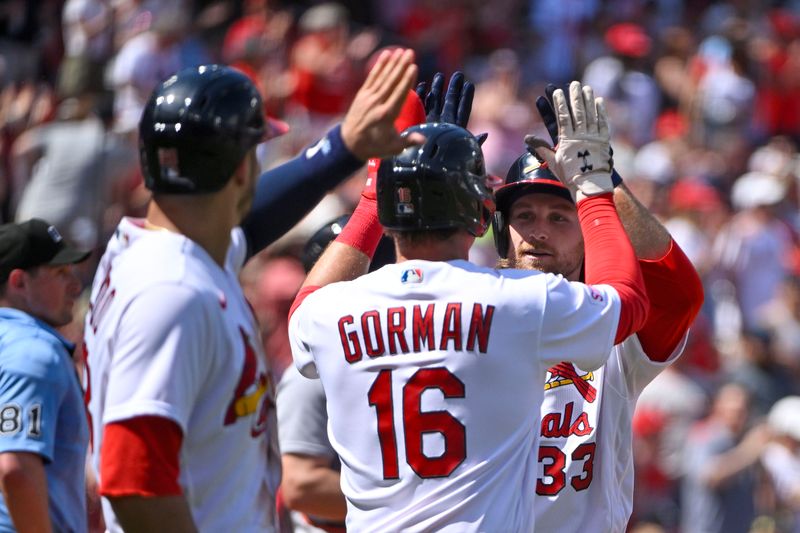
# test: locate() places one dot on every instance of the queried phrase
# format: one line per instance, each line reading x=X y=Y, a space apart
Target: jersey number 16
x=417 y=423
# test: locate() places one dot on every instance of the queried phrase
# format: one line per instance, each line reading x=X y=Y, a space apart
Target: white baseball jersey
x=427 y=368
x=585 y=472
x=170 y=334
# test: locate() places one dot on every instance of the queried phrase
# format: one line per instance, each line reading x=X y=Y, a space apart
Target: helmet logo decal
x=404 y=205
x=411 y=275
x=168 y=162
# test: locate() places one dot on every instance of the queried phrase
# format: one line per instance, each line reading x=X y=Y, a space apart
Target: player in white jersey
x=180 y=397
x=427 y=363
x=585 y=473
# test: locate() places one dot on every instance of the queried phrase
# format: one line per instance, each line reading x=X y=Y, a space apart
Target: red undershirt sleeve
x=610 y=260
x=140 y=457
x=676 y=295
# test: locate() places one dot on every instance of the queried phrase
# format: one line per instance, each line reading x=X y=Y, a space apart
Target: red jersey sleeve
x=610 y=259
x=140 y=457
x=676 y=295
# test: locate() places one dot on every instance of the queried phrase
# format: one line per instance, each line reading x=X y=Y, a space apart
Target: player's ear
x=247 y=166
x=16 y=280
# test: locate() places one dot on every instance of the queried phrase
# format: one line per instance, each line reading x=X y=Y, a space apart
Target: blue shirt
x=42 y=412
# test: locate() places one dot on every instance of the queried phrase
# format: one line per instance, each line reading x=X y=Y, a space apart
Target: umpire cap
x=34 y=243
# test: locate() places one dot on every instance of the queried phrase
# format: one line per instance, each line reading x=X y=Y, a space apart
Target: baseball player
x=427 y=363
x=180 y=399
x=585 y=472
x=310 y=485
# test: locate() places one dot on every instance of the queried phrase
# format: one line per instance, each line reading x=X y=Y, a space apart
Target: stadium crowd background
x=704 y=101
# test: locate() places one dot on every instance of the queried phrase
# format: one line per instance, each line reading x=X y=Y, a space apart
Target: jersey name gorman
x=414 y=329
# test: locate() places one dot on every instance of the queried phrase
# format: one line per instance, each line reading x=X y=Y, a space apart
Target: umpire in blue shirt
x=43 y=429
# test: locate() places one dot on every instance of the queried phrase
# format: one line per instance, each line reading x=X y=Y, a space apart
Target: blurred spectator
x=725 y=95
x=68 y=168
x=499 y=111
x=144 y=61
x=256 y=44
x=21 y=107
x=777 y=53
x=438 y=31
x=271 y=293
x=692 y=203
x=755 y=241
x=325 y=76
x=719 y=468
x=781 y=317
x=87 y=26
x=622 y=78
x=558 y=29
x=757 y=370
x=781 y=459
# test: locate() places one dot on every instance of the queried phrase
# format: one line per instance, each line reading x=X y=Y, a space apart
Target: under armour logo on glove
x=586 y=165
x=582 y=158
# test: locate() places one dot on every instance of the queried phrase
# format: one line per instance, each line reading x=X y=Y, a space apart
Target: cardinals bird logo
x=566 y=374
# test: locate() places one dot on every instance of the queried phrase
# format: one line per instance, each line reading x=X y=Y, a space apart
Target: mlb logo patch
x=168 y=162
x=411 y=275
x=404 y=205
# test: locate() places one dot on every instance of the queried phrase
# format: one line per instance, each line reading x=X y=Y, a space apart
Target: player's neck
x=195 y=220
x=457 y=247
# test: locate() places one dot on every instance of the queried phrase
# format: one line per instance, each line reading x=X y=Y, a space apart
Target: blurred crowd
x=704 y=102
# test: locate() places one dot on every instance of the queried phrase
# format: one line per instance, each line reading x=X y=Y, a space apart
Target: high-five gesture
x=582 y=158
x=457 y=104
x=368 y=127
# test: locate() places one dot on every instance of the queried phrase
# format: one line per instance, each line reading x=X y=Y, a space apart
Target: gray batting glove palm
x=582 y=159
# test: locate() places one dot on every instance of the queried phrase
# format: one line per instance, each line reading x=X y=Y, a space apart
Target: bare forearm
x=165 y=513
x=312 y=487
x=24 y=485
x=650 y=239
x=339 y=262
x=729 y=465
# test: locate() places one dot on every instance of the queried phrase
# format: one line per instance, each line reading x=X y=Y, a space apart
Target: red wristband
x=363 y=231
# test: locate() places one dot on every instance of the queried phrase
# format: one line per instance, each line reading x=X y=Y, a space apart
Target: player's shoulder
x=28 y=348
x=143 y=259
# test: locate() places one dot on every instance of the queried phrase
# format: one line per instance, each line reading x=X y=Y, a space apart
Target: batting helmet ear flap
x=500 y=234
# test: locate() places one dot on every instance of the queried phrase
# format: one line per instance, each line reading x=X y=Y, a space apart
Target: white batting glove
x=582 y=160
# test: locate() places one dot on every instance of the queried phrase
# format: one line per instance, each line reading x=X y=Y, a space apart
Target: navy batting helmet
x=197 y=127
x=320 y=240
x=526 y=175
x=439 y=184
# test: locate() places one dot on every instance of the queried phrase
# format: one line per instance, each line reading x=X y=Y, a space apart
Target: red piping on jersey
x=301 y=295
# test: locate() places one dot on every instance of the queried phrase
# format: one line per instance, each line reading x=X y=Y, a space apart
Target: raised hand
x=457 y=104
x=582 y=158
x=368 y=127
x=544 y=104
